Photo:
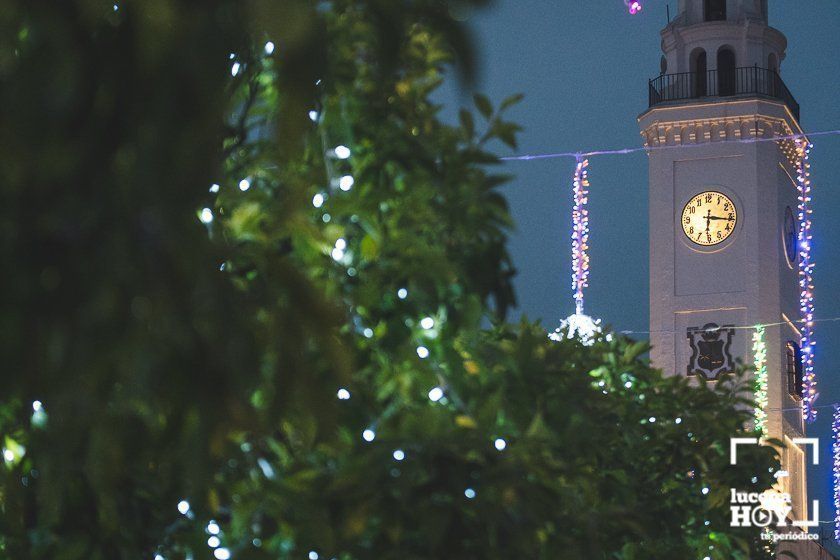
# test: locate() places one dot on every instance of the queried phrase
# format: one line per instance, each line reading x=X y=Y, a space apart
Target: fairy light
x=346 y=183
x=633 y=6
x=206 y=216
x=580 y=233
x=806 y=282
x=835 y=426
x=342 y=152
x=436 y=394
x=759 y=350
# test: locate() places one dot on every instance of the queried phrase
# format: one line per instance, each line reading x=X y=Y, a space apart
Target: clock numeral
x=687 y=220
x=708 y=198
x=728 y=227
x=719 y=235
x=720 y=198
x=725 y=206
x=691 y=230
x=691 y=209
x=731 y=216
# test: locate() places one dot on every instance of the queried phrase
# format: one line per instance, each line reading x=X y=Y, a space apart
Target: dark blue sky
x=583 y=67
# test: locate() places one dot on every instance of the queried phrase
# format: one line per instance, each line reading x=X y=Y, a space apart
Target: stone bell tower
x=723 y=210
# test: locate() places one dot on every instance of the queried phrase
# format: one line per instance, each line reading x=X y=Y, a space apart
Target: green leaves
x=483 y=104
x=278 y=374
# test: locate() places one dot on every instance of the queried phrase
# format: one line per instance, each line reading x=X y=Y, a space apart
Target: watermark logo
x=771 y=509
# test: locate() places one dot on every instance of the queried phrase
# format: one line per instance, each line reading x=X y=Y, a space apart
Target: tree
x=300 y=353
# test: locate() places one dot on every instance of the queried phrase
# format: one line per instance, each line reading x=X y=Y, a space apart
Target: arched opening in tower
x=726 y=72
x=699 y=72
x=715 y=10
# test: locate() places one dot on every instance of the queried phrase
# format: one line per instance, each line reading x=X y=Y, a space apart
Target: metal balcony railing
x=745 y=81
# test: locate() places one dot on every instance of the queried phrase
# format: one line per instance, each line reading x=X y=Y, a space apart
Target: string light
x=835 y=426
x=206 y=216
x=580 y=232
x=633 y=6
x=346 y=183
x=760 y=362
x=579 y=325
x=342 y=152
x=806 y=283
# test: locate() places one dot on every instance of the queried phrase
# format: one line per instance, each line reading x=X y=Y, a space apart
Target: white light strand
x=806 y=282
x=760 y=362
x=835 y=426
x=580 y=233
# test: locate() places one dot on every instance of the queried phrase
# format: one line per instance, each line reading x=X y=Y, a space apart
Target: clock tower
x=724 y=210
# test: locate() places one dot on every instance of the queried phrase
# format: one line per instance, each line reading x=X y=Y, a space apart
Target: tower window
x=726 y=72
x=773 y=62
x=715 y=10
x=794 y=370
x=698 y=73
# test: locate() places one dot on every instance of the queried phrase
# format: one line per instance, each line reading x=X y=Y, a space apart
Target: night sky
x=583 y=67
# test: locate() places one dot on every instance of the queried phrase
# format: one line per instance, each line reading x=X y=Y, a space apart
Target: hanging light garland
x=579 y=325
x=760 y=362
x=806 y=283
x=835 y=426
x=580 y=232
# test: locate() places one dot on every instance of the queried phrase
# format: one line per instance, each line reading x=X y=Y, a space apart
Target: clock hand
x=708 y=219
x=719 y=218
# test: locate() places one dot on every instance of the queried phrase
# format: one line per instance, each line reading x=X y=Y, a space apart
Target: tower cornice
x=705 y=123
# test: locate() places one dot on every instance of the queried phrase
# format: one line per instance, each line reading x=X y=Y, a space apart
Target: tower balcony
x=750 y=81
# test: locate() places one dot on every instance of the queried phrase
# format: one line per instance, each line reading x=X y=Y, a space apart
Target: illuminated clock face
x=709 y=218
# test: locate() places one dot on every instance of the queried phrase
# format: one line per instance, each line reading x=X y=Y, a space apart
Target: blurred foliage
x=149 y=358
